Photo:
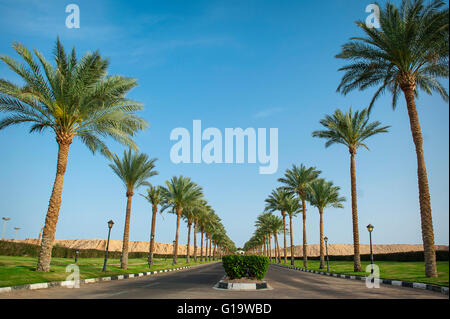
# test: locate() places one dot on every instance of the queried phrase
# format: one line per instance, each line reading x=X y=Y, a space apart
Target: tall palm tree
x=180 y=192
x=277 y=201
x=408 y=52
x=293 y=207
x=74 y=99
x=198 y=211
x=322 y=194
x=154 y=197
x=189 y=215
x=275 y=225
x=350 y=129
x=134 y=169
x=297 y=180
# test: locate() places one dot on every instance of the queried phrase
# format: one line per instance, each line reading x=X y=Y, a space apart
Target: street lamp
x=17 y=230
x=370 y=229
x=110 y=225
x=5 y=219
x=326 y=248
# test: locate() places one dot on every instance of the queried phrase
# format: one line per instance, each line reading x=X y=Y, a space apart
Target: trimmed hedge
x=252 y=266
x=441 y=255
x=8 y=248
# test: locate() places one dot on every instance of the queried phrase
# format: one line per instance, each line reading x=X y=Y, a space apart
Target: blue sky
x=260 y=64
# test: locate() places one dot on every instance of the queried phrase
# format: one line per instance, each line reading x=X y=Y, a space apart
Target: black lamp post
x=110 y=225
x=370 y=229
x=76 y=255
x=326 y=248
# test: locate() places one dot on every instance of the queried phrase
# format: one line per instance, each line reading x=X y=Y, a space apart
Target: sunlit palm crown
x=278 y=200
x=154 y=195
x=297 y=179
x=134 y=169
x=324 y=194
x=350 y=128
x=74 y=98
x=410 y=50
x=293 y=206
x=180 y=192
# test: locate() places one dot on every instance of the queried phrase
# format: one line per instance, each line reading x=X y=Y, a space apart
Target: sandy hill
x=164 y=248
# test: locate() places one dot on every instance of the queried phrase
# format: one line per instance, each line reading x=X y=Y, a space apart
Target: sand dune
x=164 y=248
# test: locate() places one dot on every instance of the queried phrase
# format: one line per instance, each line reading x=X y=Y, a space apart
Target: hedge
x=441 y=255
x=251 y=266
x=8 y=248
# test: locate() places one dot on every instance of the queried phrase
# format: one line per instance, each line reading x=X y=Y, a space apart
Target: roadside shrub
x=252 y=266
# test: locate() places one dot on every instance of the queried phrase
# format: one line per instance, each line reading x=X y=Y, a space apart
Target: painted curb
x=242 y=286
x=415 y=285
x=72 y=283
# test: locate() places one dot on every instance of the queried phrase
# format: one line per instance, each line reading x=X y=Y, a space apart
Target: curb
x=416 y=285
x=76 y=283
x=242 y=286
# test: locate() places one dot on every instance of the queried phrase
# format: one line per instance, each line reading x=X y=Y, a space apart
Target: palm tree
x=408 y=52
x=134 y=169
x=350 y=129
x=74 y=99
x=179 y=193
x=198 y=211
x=277 y=201
x=275 y=225
x=297 y=181
x=324 y=194
x=154 y=197
x=189 y=215
x=293 y=207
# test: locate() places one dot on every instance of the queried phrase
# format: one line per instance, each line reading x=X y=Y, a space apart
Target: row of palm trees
x=75 y=98
x=302 y=184
x=180 y=196
x=318 y=192
x=410 y=51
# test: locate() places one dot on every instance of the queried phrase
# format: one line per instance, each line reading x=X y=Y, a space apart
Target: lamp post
x=370 y=229
x=17 y=230
x=110 y=225
x=76 y=255
x=326 y=248
x=5 y=219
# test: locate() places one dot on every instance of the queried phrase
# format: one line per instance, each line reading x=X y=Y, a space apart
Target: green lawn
x=16 y=271
x=395 y=270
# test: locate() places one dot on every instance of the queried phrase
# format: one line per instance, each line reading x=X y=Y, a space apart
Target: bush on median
x=239 y=266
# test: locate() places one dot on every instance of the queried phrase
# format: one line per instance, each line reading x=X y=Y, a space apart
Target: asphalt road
x=198 y=282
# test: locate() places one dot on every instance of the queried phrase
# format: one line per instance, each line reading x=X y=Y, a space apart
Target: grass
x=395 y=270
x=15 y=271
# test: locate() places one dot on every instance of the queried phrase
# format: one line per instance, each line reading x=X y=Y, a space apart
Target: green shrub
x=252 y=266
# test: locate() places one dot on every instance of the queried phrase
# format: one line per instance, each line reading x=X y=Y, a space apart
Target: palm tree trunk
x=356 y=255
x=322 y=247
x=126 y=232
x=305 y=244
x=152 y=236
x=292 y=241
x=284 y=233
x=214 y=252
x=175 y=253
x=188 y=250
x=201 y=246
x=278 y=248
x=424 y=193
x=210 y=240
x=195 y=241
x=51 y=219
